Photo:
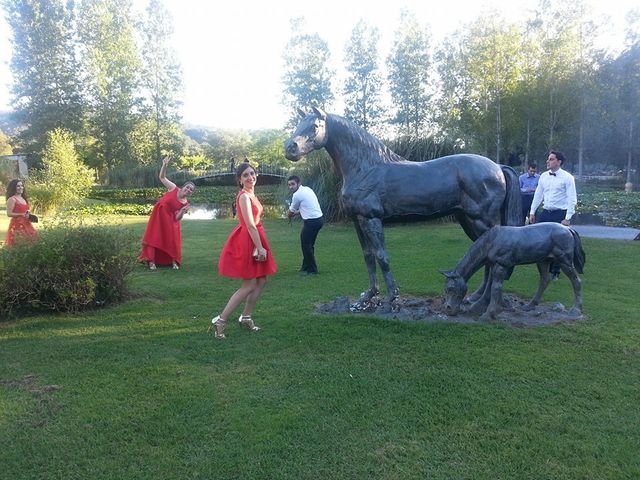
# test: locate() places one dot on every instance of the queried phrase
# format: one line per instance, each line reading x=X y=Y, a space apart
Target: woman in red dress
x=162 y=241
x=246 y=255
x=20 y=227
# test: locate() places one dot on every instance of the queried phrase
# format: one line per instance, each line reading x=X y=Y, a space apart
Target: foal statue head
x=311 y=134
x=455 y=289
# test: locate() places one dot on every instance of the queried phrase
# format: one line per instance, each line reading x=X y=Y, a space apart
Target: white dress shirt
x=304 y=200
x=556 y=192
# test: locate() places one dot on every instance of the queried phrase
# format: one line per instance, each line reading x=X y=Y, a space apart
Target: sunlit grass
x=142 y=391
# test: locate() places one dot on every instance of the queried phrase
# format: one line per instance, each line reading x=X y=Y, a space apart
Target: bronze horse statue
x=378 y=183
x=501 y=249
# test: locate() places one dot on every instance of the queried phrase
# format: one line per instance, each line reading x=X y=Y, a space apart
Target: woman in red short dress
x=246 y=255
x=20 y=227
x=162 y=241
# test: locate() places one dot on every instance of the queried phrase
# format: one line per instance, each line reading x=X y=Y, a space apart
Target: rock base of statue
x=430 y=310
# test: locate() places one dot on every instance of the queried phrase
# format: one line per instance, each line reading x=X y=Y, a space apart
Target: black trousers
x=526 y=205
x=308 y=235
x=555 y=216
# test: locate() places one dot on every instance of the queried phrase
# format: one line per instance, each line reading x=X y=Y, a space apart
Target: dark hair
x=187 y=183
x=12 y=189
x=241 y=168
x=295 y=178
x=559 y=155
x=533 y=165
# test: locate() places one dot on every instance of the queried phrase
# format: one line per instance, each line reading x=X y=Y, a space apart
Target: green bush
x=221 y=195
x=146 y=176
x=69 y=269
x=317 y=171
x=141 y=176
x=617 y=209
x=98 y=209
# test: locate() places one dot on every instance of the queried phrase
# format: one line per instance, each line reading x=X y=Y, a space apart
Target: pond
x=213 y=211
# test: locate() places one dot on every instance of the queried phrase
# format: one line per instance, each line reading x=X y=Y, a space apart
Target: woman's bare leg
x=247 y=287
x=252 y=298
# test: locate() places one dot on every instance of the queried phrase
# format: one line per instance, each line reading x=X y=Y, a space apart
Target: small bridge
x=269 y=175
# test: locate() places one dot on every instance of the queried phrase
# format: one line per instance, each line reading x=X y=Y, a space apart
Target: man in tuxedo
x=557 y=193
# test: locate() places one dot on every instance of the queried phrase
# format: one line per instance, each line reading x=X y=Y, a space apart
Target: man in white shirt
x=305 y=203
x=556 y=191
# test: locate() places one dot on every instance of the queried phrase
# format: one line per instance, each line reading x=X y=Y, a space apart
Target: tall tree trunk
x=528 y=145
x=629 y=151
x=551 y=119
x=498 y=129
x=158 y=146
x=580 y=147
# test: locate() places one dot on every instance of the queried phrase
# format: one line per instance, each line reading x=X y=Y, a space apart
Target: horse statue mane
x=356 y=135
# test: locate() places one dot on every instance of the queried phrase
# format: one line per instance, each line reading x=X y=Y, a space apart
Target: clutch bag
x=255 y=255
x=33 y=218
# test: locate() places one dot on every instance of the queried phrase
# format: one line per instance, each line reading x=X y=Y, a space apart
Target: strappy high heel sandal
x=176 y=266
x=218 y=327
x=152 y=266
x=247 y=323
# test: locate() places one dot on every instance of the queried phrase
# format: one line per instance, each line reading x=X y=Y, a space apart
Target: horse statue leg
x=576 y=283
x=373 y=237
x=370 y=261
x=545 y=277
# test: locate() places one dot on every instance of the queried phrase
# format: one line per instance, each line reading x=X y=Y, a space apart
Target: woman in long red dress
x=162 y=241
x=246 y=255
x=20 y=227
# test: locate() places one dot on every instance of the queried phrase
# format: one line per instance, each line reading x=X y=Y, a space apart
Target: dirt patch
x=45 y=406
x=429 y=310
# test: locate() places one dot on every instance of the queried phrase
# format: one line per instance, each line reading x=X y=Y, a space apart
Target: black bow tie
x=551 y=173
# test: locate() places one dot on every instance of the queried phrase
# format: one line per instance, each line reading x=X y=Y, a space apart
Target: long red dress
x=162 y=241
x=236 y=260
x=20 y=228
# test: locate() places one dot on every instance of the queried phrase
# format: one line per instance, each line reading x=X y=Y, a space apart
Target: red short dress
x=236 y=259
x=20 y=228
x=162 y=241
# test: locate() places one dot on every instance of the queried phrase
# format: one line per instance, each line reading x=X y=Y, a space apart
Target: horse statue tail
x=511 y=211
x=579 y=257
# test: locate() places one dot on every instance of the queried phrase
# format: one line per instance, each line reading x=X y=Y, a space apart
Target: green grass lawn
x=142 y=391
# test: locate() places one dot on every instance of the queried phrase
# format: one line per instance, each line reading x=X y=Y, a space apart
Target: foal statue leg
x=373 y=236
x=498 y=275
x=474 y=227
x=576 y=283
x=479 y=300
x=543 y=270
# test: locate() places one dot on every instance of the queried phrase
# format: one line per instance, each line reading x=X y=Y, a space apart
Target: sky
x=231 y=51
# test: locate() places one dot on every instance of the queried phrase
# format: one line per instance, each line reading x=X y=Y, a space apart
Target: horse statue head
x=310 y=135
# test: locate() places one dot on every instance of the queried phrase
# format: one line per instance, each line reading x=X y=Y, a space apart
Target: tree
x=63 y=179
x=267 y=146
x=307 y=77
x=526 y=97
x=626 y=75
x=408 y=65
x=559 y=41
x=47 y=87
x=363 y=84
x=494 y=64
x=484 y=78
x=161 y=78
x=113 y=68
x=5 y=145
x=222 y=145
